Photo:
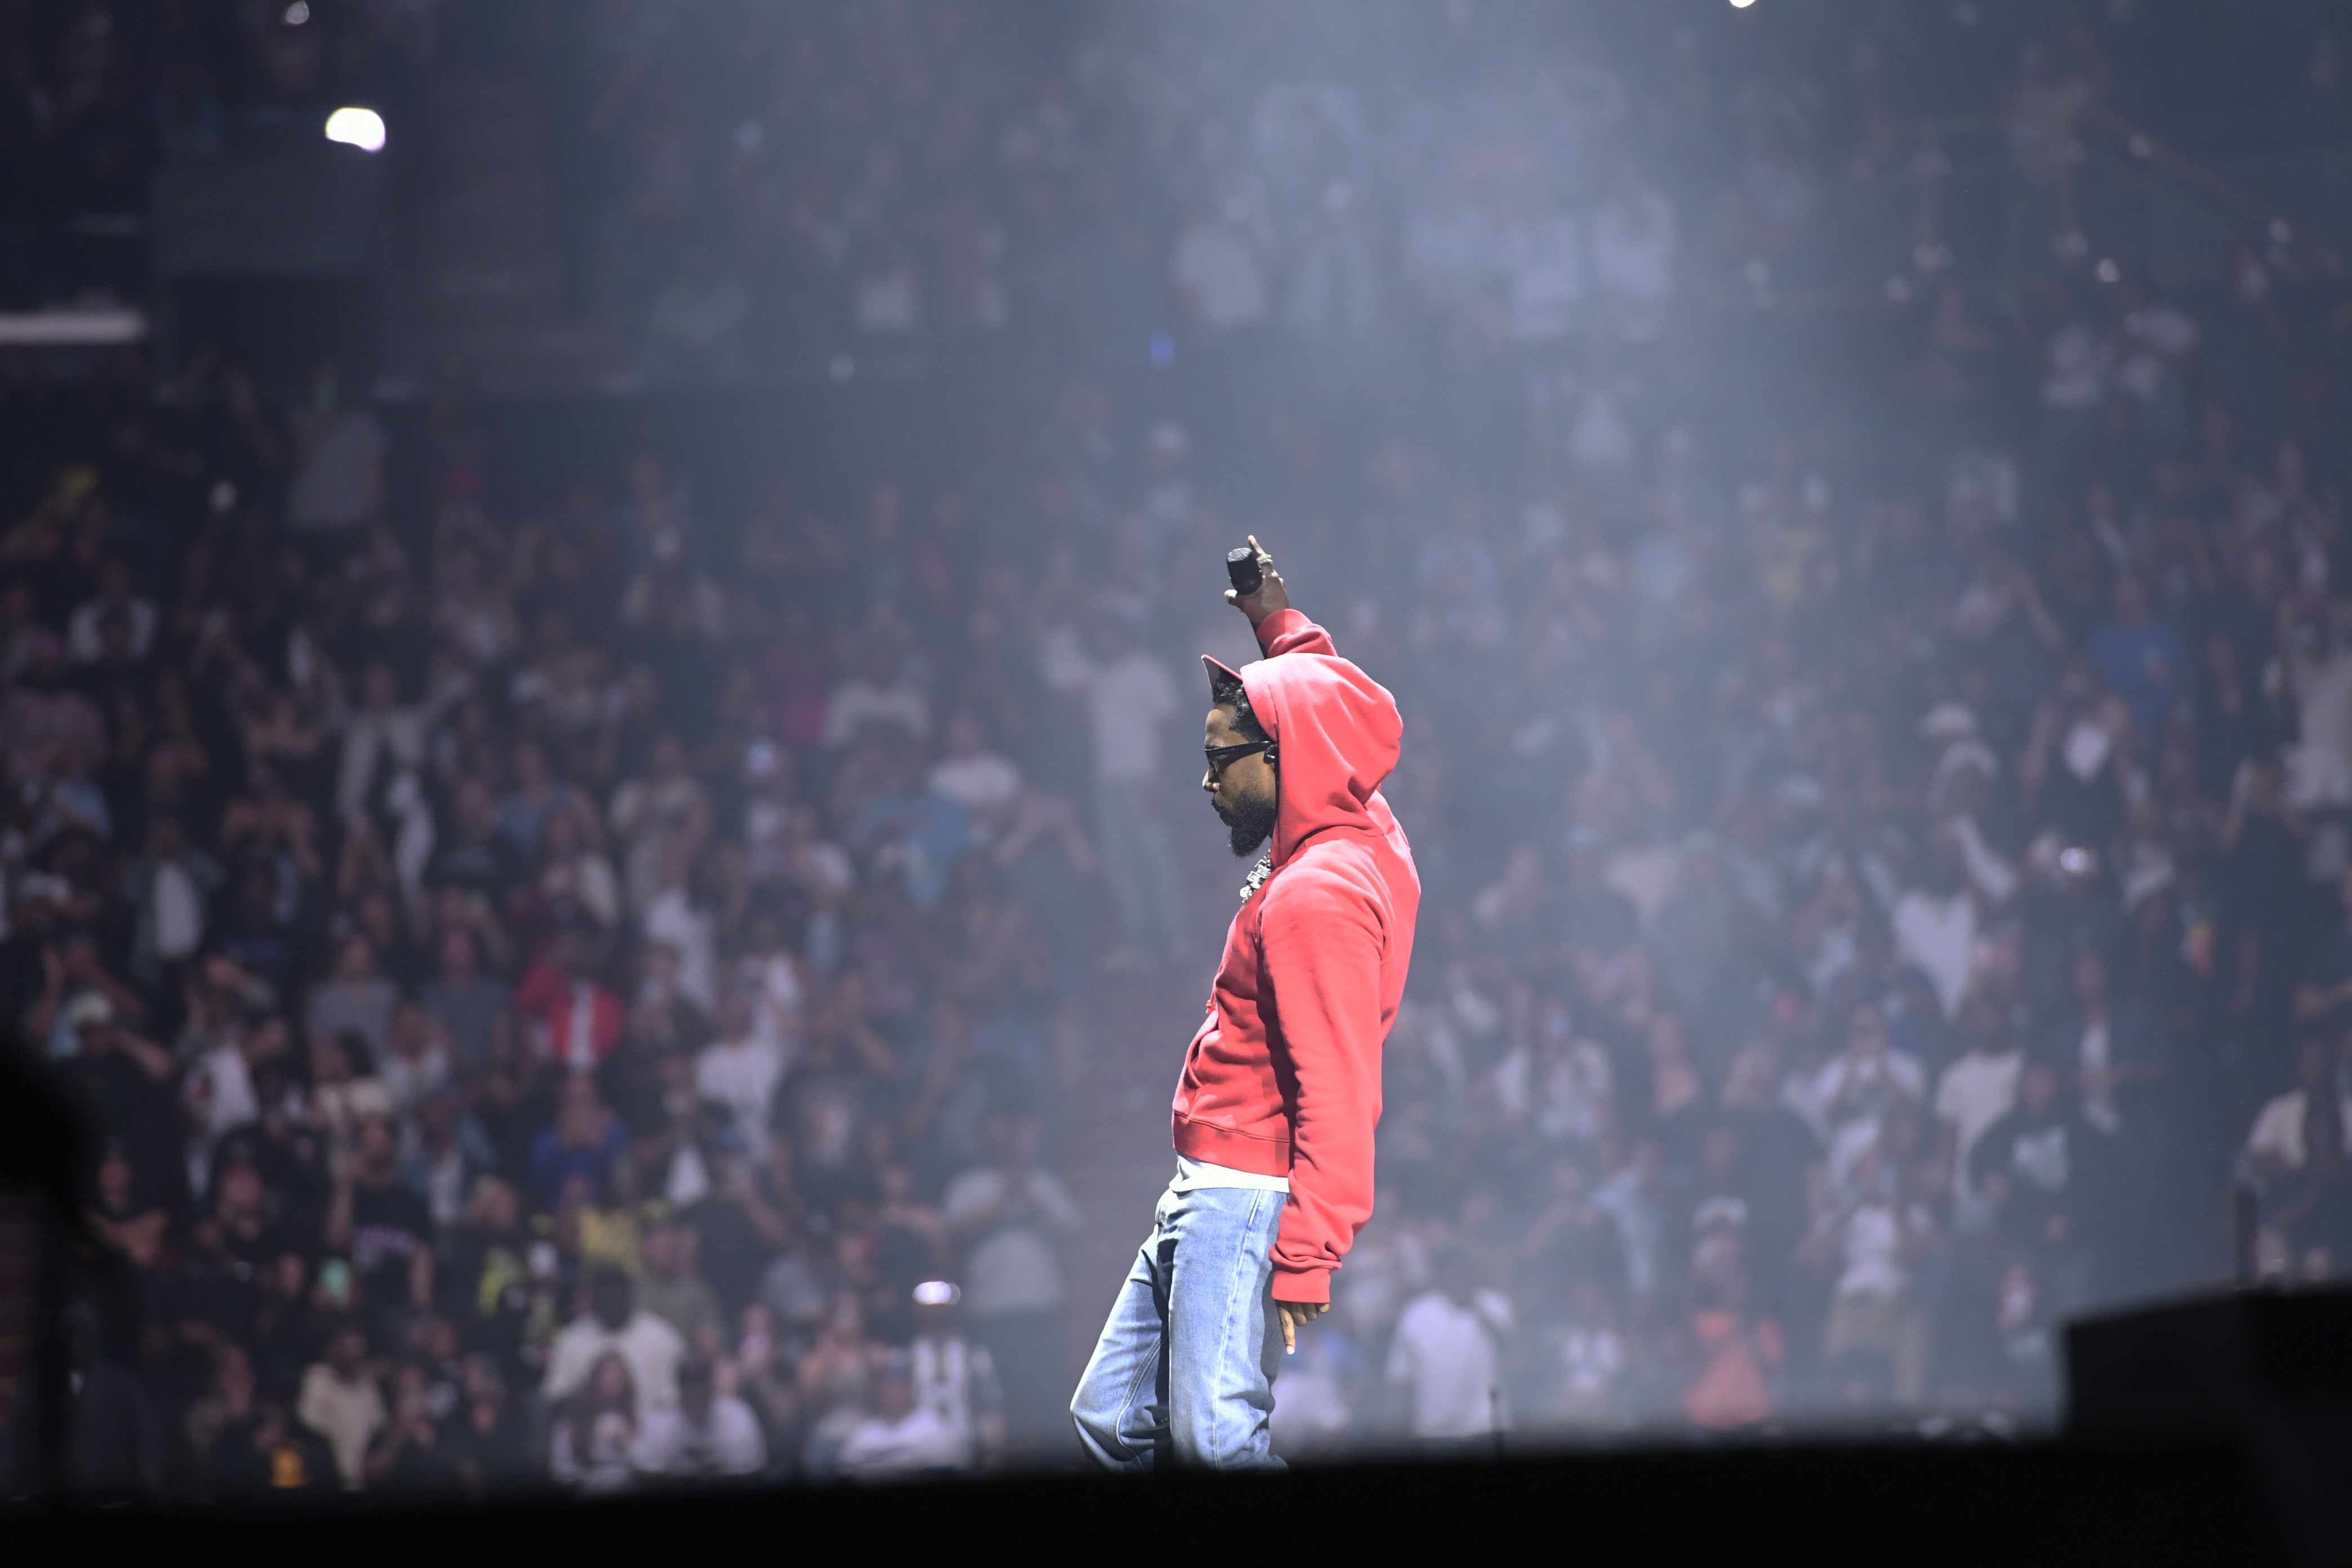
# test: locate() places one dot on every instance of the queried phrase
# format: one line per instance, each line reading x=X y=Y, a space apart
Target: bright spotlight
x=1741 y=5
x=359 y=128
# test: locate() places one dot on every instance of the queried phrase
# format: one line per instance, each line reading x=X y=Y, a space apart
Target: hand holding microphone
x=1257 y=588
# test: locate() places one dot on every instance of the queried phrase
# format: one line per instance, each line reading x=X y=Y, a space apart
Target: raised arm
x=1280 y=628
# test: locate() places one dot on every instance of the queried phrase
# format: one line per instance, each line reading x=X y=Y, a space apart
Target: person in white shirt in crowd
x=984 y=783
x=661 y=820
x=2316 y=661
x=883 y=691
x=955 y=1378
x=219 y=1086
x=168 y=889
x=741 y=1068
x=769 y=976
x=902 y=1437
x=592 y=1440
x=615 y=1324
x=1937 y=923
x=2296 y=1155
x=1975 y=1092
x=1448 y=1358
x=417 y=1061
x=577 y=873
x=341 y=1401
x=708 y=1436
x=1593 y=1357
x=355 y=999
x=1876 y=1320
x=1849 y=1100
x=384 y=739
x=1129 y=697
x=1559 y=1082
x=1009 y=1216
x=117 y=595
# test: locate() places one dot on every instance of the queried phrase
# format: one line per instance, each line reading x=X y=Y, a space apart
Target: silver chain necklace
x=1258 y=874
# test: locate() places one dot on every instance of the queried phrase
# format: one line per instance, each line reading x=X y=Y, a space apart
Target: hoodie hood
x=1338 y=732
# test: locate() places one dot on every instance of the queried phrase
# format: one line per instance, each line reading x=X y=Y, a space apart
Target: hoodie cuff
x=1271 y=629
x=1304 y=1284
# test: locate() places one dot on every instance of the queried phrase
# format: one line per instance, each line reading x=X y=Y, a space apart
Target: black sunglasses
x=1220 y=755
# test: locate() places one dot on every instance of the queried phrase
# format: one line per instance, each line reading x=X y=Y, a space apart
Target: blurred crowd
x=594 y=983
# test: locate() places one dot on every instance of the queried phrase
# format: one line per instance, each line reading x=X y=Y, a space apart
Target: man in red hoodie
x=1281 y=1088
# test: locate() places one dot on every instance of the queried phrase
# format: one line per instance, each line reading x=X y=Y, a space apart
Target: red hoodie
x=1283 y=1079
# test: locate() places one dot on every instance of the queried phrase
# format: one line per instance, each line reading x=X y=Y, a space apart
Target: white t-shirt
x=1191 y=1175
x=672 y=919
x=918 y=1441
x=86 y=647
x=179 y=910
x=944 y=1371
x=2095 y=1052
x=1873 y=1254
x=1590 y=1361
x=727 y=1442
x=1131 y=697
x=1975 y=1091
x=776 y=1000
x=1449 y=1357
x=1855 y=1084
x=2278 y=1128
x=740 y=1074
x=650 y=1346
x=2319 y=766
x=858 y=702
x=1938 y=935
x=1012 y=1268
x=980 y=784
x=233 y=1103
x=1128 y=700
x=1568 y=1093
x=347 y=1414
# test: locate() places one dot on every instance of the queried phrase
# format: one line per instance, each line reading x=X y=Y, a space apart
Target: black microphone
x=1241 y=566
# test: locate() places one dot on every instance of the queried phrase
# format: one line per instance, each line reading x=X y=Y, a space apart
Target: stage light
x=842 y=368
x=359 y=128
x=1741 y=5
x=1163 y=350
x=2106 y=271
x=297 y=14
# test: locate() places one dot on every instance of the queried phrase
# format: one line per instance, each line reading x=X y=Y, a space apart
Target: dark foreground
x=2047 y=1502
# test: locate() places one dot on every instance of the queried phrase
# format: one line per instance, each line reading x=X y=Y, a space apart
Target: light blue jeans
x=1184 y=1375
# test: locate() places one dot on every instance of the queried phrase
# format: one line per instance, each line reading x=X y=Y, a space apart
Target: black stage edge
x=2207 y=1431
x=2071 y=1502
x=2268 y=1373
